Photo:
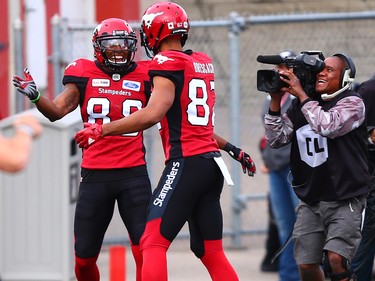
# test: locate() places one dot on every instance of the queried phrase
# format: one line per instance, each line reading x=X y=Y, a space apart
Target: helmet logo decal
x=170 y=25
x=149 y=18
x=97 y=29
x=162 y=59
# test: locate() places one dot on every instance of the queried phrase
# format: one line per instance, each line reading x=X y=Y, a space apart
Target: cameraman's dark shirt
x=367 y=91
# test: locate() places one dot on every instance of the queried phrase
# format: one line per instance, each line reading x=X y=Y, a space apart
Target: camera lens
x=272 y=81
x=269 y=81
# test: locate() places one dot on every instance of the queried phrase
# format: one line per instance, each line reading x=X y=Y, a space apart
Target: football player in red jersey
x=189 y=189
x=107 y=89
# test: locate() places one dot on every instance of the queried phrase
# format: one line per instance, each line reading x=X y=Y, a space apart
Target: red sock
x=154 y=253
x=136 y=250
x=216 y=262
x=86 y=269
x=155 y=264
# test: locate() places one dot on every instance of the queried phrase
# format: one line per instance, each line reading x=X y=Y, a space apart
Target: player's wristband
x=231 y=149
x=228 y=147
x=36 y=99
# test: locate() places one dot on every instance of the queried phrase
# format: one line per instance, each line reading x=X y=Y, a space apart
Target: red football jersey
x=105 y=98
x=187 y=129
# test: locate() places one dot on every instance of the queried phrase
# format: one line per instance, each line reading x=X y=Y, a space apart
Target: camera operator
x=328 y=165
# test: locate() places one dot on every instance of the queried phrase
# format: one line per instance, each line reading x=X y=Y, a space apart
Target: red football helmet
x=161 y=20
x=114 y=43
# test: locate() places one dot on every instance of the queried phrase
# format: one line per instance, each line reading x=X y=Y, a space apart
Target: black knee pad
x=325 y=264
x=346 y=274
x=338 y=276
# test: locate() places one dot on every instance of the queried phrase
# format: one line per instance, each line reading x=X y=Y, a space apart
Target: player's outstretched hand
x=26 y=85
x=248 y=165
x=89 y=135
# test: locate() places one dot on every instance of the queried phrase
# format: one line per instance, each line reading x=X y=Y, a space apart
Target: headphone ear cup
x=345 y=77
x=348 y=73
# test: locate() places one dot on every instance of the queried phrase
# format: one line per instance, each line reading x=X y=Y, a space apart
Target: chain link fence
x=234 y=43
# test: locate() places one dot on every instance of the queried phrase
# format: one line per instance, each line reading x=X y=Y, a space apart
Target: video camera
x=305 y=66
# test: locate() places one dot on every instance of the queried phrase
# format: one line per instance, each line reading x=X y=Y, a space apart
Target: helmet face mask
x=115 y=44
x=116 y=51
x=160 y=21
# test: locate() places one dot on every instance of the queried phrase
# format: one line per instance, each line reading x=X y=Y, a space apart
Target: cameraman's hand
x=295 y=87
x=277 y=96
x=275 y=102
x=26 y=86
x=248 y=165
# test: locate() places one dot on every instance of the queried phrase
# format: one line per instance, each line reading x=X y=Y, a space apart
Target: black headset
x=347 y=76
x=348 y=73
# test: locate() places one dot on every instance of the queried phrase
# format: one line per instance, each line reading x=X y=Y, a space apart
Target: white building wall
x=36 y=38
x=78 y=11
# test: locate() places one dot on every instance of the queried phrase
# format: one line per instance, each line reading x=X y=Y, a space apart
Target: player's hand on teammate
x=89 y=135
x=26 y=86
x=248 y=165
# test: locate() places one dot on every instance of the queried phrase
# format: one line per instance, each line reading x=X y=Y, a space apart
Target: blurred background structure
x=47 y=35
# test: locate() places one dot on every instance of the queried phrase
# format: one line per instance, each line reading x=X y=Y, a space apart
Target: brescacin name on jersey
x=203 y=67
x=167 y=185
x=100 y=82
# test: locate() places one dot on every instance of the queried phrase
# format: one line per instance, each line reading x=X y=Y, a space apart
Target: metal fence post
x=235 y=28
x=19 y=60
x=56 y=55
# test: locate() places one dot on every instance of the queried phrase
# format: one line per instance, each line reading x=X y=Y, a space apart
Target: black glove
x=247 y=163
x=27 y=86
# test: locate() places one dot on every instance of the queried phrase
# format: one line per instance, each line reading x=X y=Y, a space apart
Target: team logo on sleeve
x=71 y=64
x=131 y=85
x=100 y=82
x=162 y=59
x=148 y=19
